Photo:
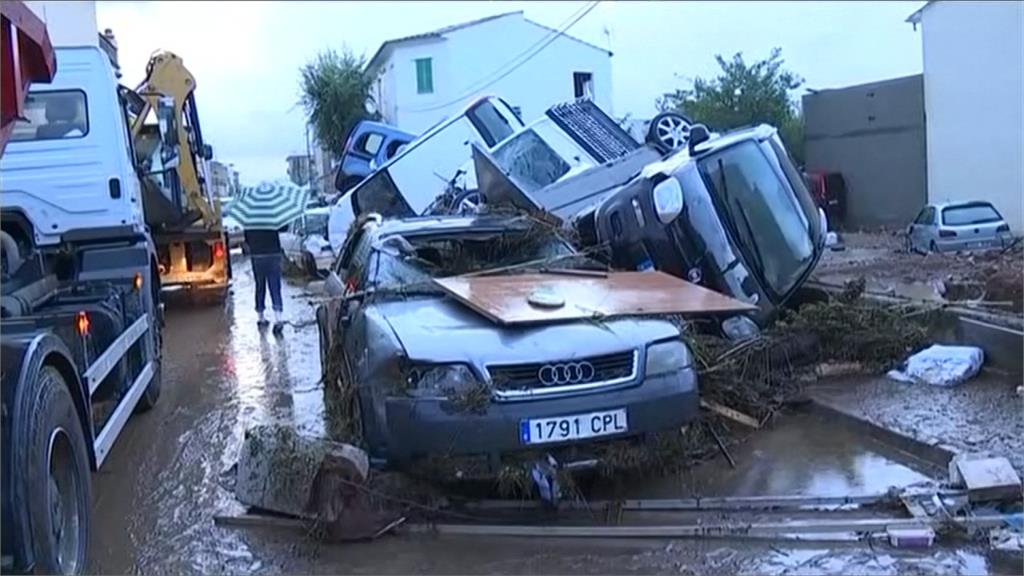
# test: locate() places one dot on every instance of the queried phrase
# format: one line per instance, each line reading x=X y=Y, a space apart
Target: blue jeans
x=266 y=270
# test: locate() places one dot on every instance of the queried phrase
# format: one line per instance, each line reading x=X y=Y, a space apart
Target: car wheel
x=669 y=131
x=51 y=451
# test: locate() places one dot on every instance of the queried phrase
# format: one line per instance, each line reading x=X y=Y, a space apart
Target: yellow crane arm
x=167 y=77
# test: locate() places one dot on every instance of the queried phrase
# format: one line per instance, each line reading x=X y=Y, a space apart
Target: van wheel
x=51 y=452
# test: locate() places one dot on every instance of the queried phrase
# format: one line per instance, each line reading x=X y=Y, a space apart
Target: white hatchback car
x=306 y=243
x=953 y=226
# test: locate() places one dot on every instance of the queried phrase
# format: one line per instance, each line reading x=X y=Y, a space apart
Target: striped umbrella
x=268 y=206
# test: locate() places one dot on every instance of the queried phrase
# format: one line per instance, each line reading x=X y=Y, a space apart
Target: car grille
x=534 y=379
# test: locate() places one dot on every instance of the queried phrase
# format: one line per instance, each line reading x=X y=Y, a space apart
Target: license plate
x=574 y=427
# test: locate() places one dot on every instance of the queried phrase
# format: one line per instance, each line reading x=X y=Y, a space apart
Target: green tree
x=335 y=93
x=744 y=95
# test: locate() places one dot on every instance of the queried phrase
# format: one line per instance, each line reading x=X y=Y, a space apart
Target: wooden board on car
x=506 y=299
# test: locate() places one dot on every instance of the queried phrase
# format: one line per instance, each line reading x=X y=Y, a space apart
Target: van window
x=491 y=124
x=370 y=143
x=53 y=115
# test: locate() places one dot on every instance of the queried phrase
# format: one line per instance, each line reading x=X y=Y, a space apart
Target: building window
x=583 y=85
x=424 y=76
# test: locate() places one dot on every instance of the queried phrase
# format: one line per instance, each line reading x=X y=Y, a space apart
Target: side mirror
x=334 y=287
x=698 y=135
x=207 y=152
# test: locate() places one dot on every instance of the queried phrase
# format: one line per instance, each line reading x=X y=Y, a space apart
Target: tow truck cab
x=80 y=308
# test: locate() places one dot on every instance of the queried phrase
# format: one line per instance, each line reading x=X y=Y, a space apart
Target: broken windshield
x=762 y=203
x=530 y=162
x=411 y=261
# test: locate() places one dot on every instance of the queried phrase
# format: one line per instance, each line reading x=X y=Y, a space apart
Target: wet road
x=156 y=497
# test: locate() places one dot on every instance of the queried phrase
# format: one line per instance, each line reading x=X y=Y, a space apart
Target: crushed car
x=432 y=377
x=729 y=212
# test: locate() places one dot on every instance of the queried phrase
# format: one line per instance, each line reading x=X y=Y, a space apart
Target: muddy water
x=155 y=499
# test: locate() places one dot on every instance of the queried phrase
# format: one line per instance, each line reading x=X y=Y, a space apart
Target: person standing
x=265 y=253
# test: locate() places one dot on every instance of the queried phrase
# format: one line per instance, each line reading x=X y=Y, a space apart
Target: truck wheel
x=56 y=474
x=148 y=399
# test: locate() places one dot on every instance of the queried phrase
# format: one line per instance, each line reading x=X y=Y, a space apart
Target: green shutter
x=424 y=76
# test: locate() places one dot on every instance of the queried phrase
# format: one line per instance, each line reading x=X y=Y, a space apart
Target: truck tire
x=148 y=399
x=55 y=469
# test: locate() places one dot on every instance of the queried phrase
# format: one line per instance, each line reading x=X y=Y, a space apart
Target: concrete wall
x=973 y=98
x=874 y=135
x=468 y=57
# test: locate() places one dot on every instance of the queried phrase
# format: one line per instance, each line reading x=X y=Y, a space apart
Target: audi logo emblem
x=566 y=373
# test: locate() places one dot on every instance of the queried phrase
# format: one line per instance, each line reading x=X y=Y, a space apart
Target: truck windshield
x=530 y=162
x=765 y=211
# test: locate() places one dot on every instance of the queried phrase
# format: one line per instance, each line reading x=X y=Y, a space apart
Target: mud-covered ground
x=983 y=416
x=158 y=493
x=994 y=277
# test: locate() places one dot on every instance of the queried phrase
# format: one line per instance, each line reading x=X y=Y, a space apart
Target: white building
x=973 y=99
x=427 y=77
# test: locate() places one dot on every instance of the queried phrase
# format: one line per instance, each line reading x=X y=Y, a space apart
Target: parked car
x=729 y=212
x=955 y=226
x=408 y=183
x=369 y=145
x=415 y=353
x=306 y=244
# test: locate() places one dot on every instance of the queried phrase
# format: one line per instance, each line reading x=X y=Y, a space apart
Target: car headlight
x=668 y=200
x=440 y=381
x=667 y=357
x=740 y=328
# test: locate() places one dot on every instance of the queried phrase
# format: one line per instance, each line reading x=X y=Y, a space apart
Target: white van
x=412 y=180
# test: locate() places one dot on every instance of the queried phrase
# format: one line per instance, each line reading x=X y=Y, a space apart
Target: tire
x=467 y=202
x=52 y=458
x=310 y=265
x=669 y=131
x=149 y=398
x=932 y=247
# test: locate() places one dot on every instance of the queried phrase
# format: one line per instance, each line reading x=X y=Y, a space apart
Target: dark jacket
x=263 y=242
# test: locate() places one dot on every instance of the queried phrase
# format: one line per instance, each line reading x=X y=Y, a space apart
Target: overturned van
x=729 y=212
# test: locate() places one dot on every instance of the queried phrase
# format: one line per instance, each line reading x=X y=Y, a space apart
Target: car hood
x=437 y=329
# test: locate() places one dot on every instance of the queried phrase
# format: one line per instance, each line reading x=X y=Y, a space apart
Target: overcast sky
x=246 y=55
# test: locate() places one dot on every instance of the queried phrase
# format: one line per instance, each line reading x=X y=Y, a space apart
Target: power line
x=536 y=49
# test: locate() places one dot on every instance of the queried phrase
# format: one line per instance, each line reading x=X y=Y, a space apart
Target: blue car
x=370 y=144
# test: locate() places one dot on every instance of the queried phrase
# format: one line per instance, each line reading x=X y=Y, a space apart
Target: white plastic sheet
x=941 y=365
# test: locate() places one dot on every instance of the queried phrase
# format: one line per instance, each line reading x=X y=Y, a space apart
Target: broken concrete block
x=281 y=471
x=922 y=537
x=988 y=479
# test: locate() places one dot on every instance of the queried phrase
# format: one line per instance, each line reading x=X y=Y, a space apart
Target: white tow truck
x=80 y=312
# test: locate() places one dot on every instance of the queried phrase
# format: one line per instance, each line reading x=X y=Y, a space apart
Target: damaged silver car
x=439 y=379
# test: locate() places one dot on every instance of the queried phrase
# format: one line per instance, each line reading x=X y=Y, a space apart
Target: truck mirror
x=207 y=152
